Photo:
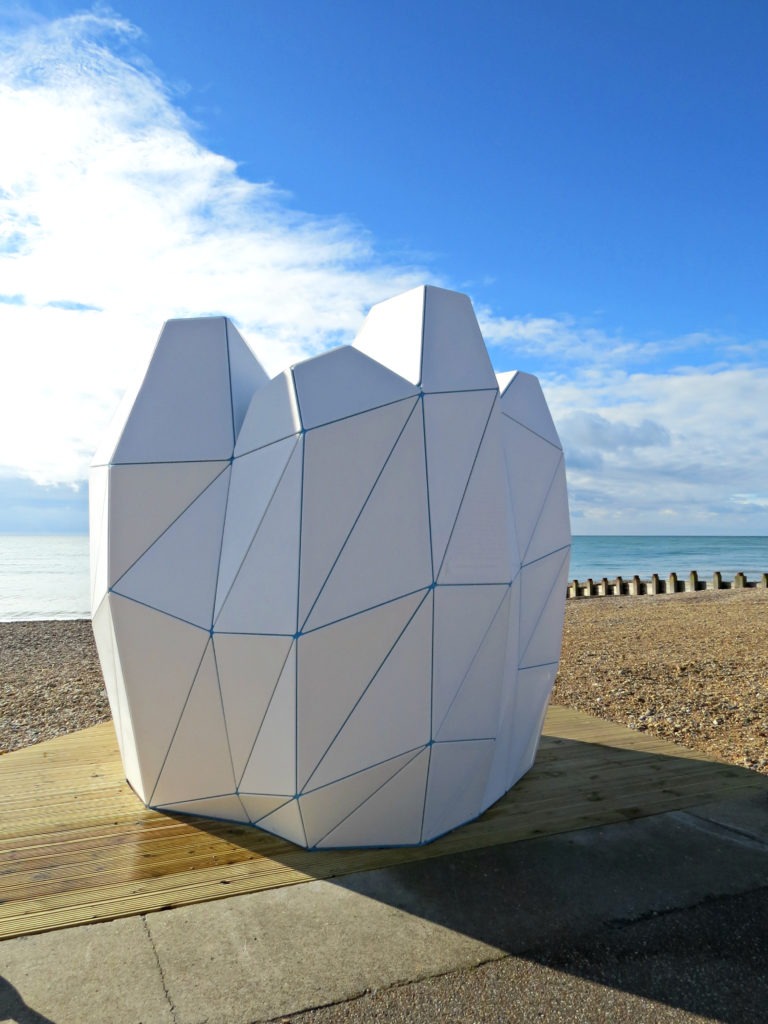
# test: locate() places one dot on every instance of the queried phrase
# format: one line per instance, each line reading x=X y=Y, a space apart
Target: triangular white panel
x=387 y=553
x=392 y=816
x=457 y=779
x=531 y=699
x=286 y=822
x=150 y=497
x=198 y=761
x=160 y=656
x=342 y=463
x=335 y=665
x=98 y=524
x=249 y=606
x=553 y=529
x=454 y=427
x=524 y=401
x=463 y=616
x=111 y=437
x=377 y=729
x=259 y=807
x=392 y=333
x=541 y=635
x=531 y=466
x=497 y=776
x=325 y=808
x=482 y=547
x=106 y=645
x=474 y=711
x=505 y=379
x=223 y=808
x=245 y=373
x=454 y=355
x=255 y=478
x=183 y=416
x=177 y=575
x=249 y=668
x=271 y=767
x=344 y=382
x=272 y=415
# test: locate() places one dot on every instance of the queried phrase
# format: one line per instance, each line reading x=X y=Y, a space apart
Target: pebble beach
x=690 y=668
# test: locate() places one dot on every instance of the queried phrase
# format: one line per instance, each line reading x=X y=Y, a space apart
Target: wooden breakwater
x=673 y=584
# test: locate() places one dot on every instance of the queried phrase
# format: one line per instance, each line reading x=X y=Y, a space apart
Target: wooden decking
x=77 y=846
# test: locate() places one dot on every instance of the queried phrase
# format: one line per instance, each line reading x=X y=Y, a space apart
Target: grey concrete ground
x=661 y=919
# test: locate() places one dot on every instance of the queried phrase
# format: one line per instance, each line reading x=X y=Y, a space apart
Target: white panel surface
x=454 y=427
x=454 y=356
x=531 y=466
x=524 y=401
x=271 y=767
x=553 y=529
x=391 y=817
x=457 y=778
x=183 y=411
x=387 y=554
x=342 y=463
x=286 y=823
x=531 y=699
x=541 y=635
x=482 y=548
x=344 y=382
x=474 y=711
x=106 y=645
x=198 y=761
x=159 y=656
x=259 y=807
x=151 y=496
x=335 y=665
x=463 y=616
x=250 y=605
x=245 y=373
x=392 y=333
x=249 y=668
x=377 y=729
x=324 y=808
x=255 y=478
x=177 y=575
x=223 y=808
x=272 y=415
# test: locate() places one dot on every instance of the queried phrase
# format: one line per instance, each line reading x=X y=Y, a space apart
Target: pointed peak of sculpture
x=429 y=336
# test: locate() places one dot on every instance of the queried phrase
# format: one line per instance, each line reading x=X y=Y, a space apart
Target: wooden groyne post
x=673 y=584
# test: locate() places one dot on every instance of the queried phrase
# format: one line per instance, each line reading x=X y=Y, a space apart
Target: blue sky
x=592 y=174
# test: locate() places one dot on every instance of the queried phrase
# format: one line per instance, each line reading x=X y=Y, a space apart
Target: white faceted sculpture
x=330 y=604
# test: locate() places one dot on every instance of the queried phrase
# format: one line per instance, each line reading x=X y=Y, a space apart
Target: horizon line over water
x=48 y=576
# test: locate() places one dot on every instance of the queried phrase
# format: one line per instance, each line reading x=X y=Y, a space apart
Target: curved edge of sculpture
x=330 y=604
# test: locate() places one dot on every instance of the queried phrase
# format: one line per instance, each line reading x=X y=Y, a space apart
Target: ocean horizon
x=47 y=576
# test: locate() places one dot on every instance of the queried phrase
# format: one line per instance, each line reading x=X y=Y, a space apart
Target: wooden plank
x=76 y=844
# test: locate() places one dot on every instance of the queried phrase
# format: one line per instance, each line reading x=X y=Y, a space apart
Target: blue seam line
x=360 y=696
x=229 y=378
x=363 y=412
x=548 y=491
x=296 y=626
x=461 y=391
x=236 y=632
x=221 y=549
x=544 y=664
x=423 y=329
x=432 y=673
x=277 y=810
x=161 y=611
x=172 y=523
x=359 y=771
x=223 y=713
x=178 y=721
x=532 y=431
x=301 y=819
x=268 y=444
x=454 y=795
x=480 y=583
x=475 y=656
x=471 y=739
x=352 y=615
x=301 y=531
x=247 y=761
x=426 y=794
x=296 y=395
x=255 y=534
x=359 y=514
x=543 y=608
x=466 y=487
x=155 y=462
x=367 y=798
x=202 y=799
x=426 y=484
x=274 y=810
x=555 y=551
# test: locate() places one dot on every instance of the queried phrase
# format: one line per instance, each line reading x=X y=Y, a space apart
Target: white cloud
x=114 y=218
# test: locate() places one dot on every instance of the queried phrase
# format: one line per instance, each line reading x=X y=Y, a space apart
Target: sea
x=47 y=577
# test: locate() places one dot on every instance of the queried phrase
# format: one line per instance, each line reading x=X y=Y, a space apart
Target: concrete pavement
x=664 y=918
